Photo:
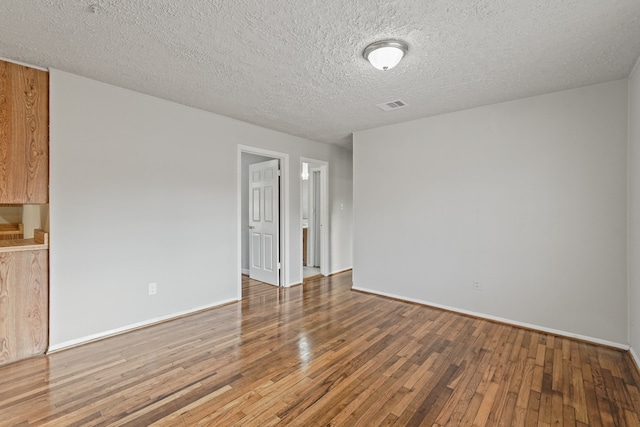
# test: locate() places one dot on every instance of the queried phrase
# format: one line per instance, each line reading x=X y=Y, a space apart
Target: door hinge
x=279 y=266
x=279 y=172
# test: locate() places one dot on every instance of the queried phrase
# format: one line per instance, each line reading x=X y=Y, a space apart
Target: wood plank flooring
x=323 y=355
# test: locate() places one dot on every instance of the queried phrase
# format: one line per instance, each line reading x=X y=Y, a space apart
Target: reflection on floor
x=321 y=354
x=310 y=271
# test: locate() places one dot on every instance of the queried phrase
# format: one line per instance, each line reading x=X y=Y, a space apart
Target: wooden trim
x=11 y=231
x=21 y=245
x=11 y=228
x=41 y=236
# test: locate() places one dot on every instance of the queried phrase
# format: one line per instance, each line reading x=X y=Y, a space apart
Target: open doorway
x=248 y=158
x=314 y=217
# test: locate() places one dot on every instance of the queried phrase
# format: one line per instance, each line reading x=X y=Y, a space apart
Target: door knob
x=251 y=227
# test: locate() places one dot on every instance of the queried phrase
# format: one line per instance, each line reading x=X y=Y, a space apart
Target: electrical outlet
x=153 y=288
x=476 y=286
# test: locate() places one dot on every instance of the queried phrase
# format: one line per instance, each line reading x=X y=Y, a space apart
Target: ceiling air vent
x=392 y=105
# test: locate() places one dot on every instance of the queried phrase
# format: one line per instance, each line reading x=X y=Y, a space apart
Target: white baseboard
x=635 y=358
x=134 y=326
x=245 y=271
x=500 y=319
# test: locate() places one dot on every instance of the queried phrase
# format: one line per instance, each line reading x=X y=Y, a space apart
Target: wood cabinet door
x=24 y=304
x=24 y=134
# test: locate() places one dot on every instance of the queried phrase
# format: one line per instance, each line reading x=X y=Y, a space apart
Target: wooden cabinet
x=24 y=134
x=24 y=298
x=24 y=179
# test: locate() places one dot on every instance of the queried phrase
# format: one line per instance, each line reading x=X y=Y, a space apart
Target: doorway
x=251 y=156
x=314 y=217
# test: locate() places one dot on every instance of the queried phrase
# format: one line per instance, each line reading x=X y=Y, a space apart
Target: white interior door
x=264 y=220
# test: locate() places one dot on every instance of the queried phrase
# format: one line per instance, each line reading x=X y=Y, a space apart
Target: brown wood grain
x=323 y=355
x=11 y=231
x=23 y=304
x=24 y=134
x=41 y=237
x=22 y=245
x=304 y=246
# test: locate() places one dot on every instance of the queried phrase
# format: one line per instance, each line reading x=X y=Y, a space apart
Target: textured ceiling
x=296 y=65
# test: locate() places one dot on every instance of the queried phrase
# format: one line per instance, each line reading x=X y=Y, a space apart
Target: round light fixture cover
x=385 y=54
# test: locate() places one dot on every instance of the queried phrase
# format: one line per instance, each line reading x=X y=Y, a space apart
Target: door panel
x=269 y=264
x=268 y=204
x=264 y=222
x=255 y=202
x=256 y=259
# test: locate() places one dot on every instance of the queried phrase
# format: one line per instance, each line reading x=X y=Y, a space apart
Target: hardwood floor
x=321 y=354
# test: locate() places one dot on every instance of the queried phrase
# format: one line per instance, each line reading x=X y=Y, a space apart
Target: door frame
x=323 y=166
x=285 y=268
x=311 y=235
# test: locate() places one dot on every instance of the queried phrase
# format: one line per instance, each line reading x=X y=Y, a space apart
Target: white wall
x=341 y=218
x=246 y=160
x=526 y=197
x=144 y=190
x=305 y=199
x=634 y=210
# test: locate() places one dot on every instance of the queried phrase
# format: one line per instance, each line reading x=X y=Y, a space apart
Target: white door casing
x=264 y=203
x=321 y=168
x=315 y=221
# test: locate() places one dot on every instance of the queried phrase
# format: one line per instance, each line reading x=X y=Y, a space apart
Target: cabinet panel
x=23 y=304
x=24 y=134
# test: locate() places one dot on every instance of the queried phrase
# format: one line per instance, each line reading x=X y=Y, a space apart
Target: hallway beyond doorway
x=310 y=272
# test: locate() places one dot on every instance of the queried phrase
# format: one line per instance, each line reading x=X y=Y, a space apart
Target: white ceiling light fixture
x=385 y=54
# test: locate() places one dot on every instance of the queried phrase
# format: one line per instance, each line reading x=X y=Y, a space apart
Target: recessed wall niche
x=30 y=217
